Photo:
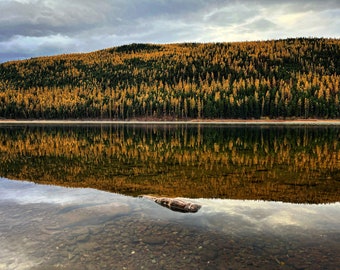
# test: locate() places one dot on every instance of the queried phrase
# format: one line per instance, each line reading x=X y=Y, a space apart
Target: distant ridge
x=288 y=78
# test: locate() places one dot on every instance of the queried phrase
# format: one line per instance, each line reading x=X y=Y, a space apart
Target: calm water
x=269 y=195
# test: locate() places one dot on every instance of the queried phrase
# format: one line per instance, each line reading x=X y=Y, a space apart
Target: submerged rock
x=175 y=204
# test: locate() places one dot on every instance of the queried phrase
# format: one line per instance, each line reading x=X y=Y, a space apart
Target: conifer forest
x=276 y=79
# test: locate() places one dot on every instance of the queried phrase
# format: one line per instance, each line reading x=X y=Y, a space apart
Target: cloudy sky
x=31 y=28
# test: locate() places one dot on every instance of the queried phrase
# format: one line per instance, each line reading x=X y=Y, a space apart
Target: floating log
x=175 y=204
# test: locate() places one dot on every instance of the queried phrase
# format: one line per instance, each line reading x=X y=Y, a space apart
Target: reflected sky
x=258 y=213
x=38 y=221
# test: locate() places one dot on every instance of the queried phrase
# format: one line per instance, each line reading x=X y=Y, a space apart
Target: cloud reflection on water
x=257 y=213
x=262 y=214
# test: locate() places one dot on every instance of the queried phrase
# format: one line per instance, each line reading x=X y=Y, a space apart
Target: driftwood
x=175 y=204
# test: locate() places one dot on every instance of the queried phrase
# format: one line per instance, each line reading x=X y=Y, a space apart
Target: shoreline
x=177 y=122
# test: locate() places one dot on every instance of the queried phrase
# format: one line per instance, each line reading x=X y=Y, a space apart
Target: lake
x=69 y=196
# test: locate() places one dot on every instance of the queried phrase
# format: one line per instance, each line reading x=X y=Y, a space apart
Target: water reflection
x=282 y=163
x=48 y=227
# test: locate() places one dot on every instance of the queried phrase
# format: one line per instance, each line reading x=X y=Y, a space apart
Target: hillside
x=291 y=78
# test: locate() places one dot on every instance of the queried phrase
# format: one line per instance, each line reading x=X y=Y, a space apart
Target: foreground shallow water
x=49 y=227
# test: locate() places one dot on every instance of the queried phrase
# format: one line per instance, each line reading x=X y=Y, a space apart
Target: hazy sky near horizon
x=30 y=28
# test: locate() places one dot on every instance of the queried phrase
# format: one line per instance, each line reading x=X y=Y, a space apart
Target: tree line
x=290 y=78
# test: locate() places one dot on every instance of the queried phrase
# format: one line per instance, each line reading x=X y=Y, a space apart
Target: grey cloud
x=310 y=5
x=41 y=18
x=260 y=25
x=230 y=16
x=37 y=17
x=86 y=25
x=168 y=8
x=304 y=4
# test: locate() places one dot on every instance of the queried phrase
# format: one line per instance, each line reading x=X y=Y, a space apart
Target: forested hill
x=272 y=79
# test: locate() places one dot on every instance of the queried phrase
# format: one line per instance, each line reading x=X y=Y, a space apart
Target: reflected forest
x=293 y=164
